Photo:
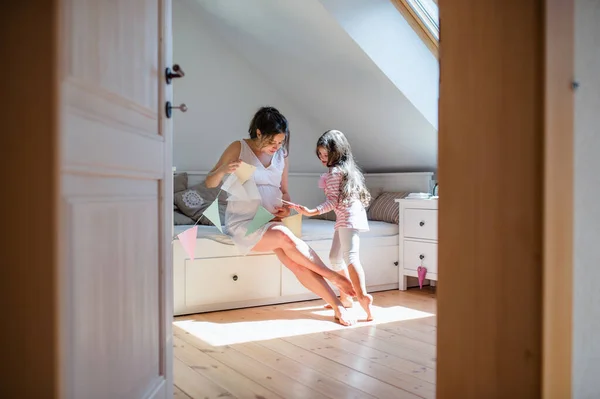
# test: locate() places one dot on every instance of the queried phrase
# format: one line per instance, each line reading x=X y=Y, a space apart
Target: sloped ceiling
x=391 y=42
x=310 y=58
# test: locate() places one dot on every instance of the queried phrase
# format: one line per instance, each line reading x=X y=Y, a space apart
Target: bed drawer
x=420 y=223
x=232 y=279
x=380 y=264
x=417 y=253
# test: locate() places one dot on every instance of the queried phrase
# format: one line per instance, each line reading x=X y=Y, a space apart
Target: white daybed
x=219 y=278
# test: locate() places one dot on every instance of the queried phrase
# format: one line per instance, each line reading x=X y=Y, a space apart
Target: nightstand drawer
x=420 y=223
x=418 y=253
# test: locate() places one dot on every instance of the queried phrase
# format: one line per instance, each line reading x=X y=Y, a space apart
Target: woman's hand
x=282 y=212
x=228 y=163
x=230 y=167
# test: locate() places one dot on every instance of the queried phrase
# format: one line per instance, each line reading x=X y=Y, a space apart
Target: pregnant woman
x=267 y=149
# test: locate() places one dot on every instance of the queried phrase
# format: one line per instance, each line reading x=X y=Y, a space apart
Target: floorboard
x=295 y=350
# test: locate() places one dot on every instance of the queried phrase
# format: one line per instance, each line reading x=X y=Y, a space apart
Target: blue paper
x=212 y=214
x=261 y=218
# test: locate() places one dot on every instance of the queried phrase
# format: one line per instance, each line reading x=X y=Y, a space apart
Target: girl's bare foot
x=365 y=302
x=343 y=283
x=344 y=317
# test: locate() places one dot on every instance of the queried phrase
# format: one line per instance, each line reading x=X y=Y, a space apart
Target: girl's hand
x=230 y=167
x=303 y=210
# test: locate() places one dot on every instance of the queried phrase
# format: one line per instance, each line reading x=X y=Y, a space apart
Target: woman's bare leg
x=280 y=237
x=316 y=284
x=346 y=300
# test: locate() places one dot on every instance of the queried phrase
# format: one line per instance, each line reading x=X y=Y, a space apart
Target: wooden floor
x=296 y=351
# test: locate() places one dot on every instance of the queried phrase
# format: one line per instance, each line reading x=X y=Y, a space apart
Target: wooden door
x=116 y=193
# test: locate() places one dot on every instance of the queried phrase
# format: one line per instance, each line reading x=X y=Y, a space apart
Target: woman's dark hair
x=270 y=122
x=339 y=155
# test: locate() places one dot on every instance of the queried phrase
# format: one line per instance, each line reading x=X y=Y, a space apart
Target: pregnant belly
x=270 y=197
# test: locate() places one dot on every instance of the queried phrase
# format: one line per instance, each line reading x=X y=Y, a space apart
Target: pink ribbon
x=422 y=272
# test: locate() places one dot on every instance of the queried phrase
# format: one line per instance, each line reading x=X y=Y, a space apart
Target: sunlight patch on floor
x=298 y=323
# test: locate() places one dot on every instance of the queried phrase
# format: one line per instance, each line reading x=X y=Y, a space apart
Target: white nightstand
x=418 y=238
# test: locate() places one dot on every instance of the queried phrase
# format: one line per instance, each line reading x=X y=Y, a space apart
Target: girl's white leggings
x=344 y=249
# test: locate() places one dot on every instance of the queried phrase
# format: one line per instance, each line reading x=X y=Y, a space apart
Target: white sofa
x=220 y=278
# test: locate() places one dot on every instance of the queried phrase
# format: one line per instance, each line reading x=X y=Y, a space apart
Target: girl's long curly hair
x=340 y=156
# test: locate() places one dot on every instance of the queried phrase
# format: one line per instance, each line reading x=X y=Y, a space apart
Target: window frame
x=419 y=26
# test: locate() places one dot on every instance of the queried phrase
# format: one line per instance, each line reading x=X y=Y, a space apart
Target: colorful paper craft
x=212 y=214
x=234 y=188
x=252 y=190
x=261 y=218
x=187 y=239
x=240 y=192
x=288 y=202
x=294 y=223
x=244 y=171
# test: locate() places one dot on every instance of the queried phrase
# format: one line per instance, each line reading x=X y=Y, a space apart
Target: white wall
x=586 y=331
x=222 y=91
x=316 y=64
x=387 y=38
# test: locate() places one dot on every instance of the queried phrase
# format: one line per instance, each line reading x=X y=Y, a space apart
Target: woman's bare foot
x=365 y=302
x=343 y=283
x=344 y=317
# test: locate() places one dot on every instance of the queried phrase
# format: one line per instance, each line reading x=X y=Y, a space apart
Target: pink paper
x=323 y=181
x=188 y=241
x=422 y=272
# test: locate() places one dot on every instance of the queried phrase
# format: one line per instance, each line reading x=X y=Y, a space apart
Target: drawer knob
x=396 y=263
x=235 y=277
x=421 y=256
x=421 y=223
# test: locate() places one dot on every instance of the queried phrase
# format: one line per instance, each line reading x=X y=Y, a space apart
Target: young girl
x=346 y=195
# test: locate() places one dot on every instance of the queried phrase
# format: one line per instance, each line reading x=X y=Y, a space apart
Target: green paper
x=212 y=214
x=261 y=218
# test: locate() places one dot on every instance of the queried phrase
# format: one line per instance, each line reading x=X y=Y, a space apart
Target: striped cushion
x=385 y=208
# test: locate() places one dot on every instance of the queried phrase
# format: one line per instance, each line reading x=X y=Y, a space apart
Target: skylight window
x=428 y=13
x=424 y=17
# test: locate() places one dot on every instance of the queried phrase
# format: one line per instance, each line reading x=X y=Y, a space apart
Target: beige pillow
x=385 y=208
x=375 y=193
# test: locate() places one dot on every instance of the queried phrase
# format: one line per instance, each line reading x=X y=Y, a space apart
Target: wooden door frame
x=29 y=291
x=559 y=185
x=506 y=210
x=29 y=257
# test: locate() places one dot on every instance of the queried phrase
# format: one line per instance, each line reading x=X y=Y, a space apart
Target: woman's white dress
x=239 y=213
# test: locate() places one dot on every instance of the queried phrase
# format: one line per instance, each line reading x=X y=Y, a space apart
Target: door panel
x=116 y=192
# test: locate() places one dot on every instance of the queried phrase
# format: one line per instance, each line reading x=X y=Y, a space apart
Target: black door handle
x=176 y=72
